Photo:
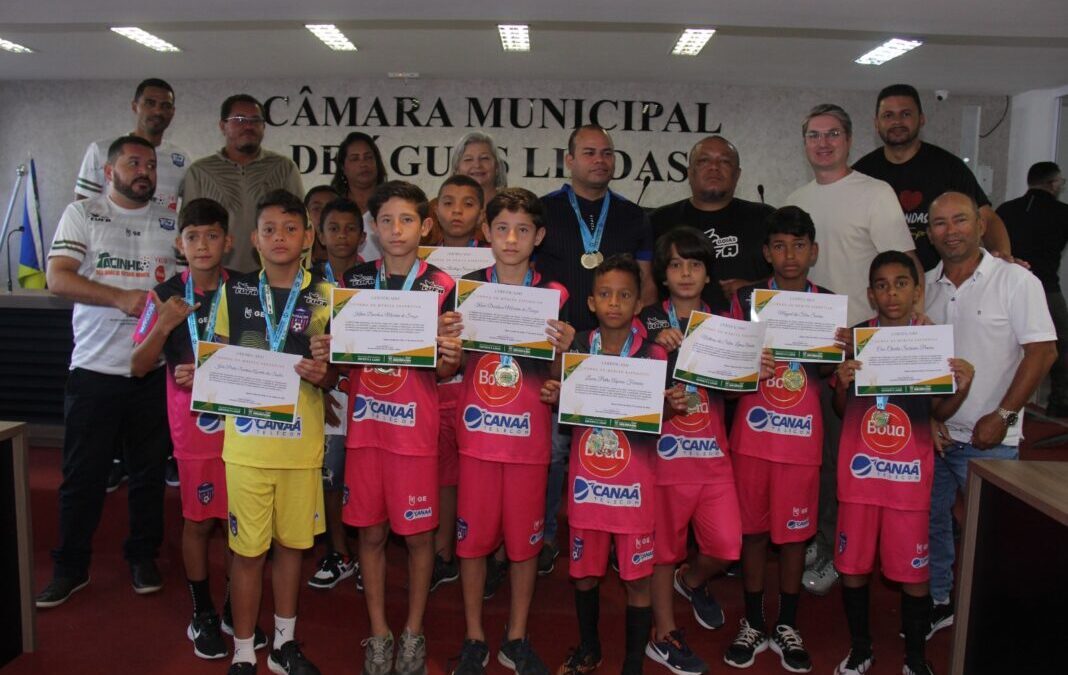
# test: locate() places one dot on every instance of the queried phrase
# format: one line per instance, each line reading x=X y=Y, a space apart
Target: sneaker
x=580 y=662
x=746 y=645
x=378 y=655
x=674 y=654
x=917 y=669
x=547 y=558
x=941 y=617
x=496 y=571
x=289 y=660
x=242 y=668
x=170 y=473
x=333 y=568
x=812 y=554
x=259 y=638
x=705 y=608
x=116 y=475
x=786 y=642
x=59 y=589
x=519 y=656
x=359 y=579
x=411 y=655
x=206 y=633
x=144 y=575
x=819 y=579
x=855 y=664
x=474 y=656
x=734 y=569
x=444 y=572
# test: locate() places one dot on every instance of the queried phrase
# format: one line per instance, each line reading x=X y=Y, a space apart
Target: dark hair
x=791 y=220
x=622 y=262
x=154 y=82
x=578 y=130
x=203 y=211
x=1041 y=173
x=464 y=181
x=285 y=200
x=316 y=190
x=401 y=190
x=228 y=104
x=892 y=258
x=899 y=90
x=689 y=243
x=339 y=182
x=516 y=200
x=341 y=205
x=119 y=144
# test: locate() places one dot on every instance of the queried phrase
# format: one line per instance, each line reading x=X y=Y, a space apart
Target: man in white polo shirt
x=1001 y=324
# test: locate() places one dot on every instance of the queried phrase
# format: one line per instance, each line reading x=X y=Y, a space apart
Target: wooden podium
x=16 y=545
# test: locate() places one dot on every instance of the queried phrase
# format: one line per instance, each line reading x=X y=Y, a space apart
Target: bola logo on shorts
x=889 y=438
x=250 y=426
x=383 y=381
x=205 y=492
x=604 y=453
x=696 y=417
x=776 y=393
x=488 y=390
x=209 y=423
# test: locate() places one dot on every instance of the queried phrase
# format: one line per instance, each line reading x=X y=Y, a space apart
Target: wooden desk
x=1014 y=569
x=17 y=610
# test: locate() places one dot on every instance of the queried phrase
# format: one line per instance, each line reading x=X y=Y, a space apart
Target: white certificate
x=801 y=326
x=232 y=380
x=613 y=391
x=721 y=353
x=507 y=319
x=394 y=328
x=457 y=261
x=904 y=360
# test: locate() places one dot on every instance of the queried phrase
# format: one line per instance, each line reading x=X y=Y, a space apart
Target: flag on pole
x=31 y=257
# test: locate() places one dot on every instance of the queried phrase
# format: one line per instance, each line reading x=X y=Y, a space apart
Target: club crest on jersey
x=205 y=492
x=578 y=546
x=383 y=380
x=604 y=453
x=865 y=466
x=841 y=542
x=461 y=529
x=769 y=421
x=775 y=391
x=683 y=447
x=233 y=523
x=178 y=159
x=209 y=423
x=301 y=318
x=250 y=426
x=489 y=422
x=588 y=491
x=488 y=390
x=889 y=438
x=387 y=412
x=167 y=224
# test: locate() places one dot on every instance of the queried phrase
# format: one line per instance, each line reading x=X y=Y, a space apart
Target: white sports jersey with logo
x=129 y=249
x=171 y=163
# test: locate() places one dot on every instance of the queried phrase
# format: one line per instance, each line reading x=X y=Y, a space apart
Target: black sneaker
x=496 y=571
x=333 y=568
x=289 y=660
x=746 y=645
x=519 y=656
x=674 y=654
x=786 y=642
x=242 y=668
x=705 y=608
x=941 y=617
x=474 y=656
x=116 y=475
x=444 y=572
x=547 y=558
x=59 y=589
x=170 y=473
x=917 y=669
x=857 y=663
x=580 y=662
x=206 y=633
x=144 y=575
x=259 y=638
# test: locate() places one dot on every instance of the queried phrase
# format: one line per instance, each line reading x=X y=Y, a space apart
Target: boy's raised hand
x=561 y=334
x=183 y=375
x=450 y=324
x=843 y=337
x=550 y=392
x=846 y=372
x=676 y=398
x=449 y=350
x=767 y=364
x=964 y=372
x=320 y=348
x=172 y=312
x=669 y=338
x=314 y=371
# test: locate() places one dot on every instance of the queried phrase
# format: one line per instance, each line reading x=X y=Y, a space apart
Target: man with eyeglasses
x=240 y=174
x=920 y=171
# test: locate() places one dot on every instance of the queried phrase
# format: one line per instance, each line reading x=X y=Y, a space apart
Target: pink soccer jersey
x=693 y=448
x=779 y=424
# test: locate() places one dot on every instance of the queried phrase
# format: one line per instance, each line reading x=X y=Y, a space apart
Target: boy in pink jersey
x=504 y=424
x=620 y=464
x=180 y=312
x=885 y=472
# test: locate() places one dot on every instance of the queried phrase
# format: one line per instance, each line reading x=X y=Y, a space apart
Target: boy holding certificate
x=340 y=229
x=391 y=470
x=885 y=472
x=179 y=312
x=777 y=448
x=612 y=479
x=273 y=469
x=503 y=429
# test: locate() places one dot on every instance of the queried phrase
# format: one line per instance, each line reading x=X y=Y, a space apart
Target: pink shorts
x=713 y=509
x=499 y=502
x=384 y=486
x=777 y=498
x=590 y=549
x=203 y=488
x=448 y=452
x=901 y=537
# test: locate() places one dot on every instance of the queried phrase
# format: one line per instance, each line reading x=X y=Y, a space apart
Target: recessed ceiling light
x=514 y=37
x=888 y=50
x=399 y=75
x=331 y=36
x=145 y=39
x=692 y=41
x=14 y=47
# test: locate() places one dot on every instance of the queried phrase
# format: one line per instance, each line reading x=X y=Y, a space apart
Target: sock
x=283 y=630
x=857 y=603
x=788 y=609
x=754 y=610
x=639 y=625
x=201 y=592
x=588 y=608
x=244 y=650
x=916 y=617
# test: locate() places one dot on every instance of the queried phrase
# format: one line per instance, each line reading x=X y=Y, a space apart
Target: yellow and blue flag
x=31 y=257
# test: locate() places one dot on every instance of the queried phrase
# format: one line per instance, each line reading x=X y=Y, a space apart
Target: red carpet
x=106 y=628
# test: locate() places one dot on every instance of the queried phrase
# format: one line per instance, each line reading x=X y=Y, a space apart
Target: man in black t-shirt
x=734 y=226
x=919 y=172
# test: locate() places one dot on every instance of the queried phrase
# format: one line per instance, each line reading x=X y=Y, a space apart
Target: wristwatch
x=1009 y=417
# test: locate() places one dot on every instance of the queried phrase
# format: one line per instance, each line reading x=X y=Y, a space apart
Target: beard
x=897 y=139
x=135 y=191
x=714 y=195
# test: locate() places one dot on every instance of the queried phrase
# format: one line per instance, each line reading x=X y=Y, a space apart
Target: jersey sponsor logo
x=461 y=529
x=486 y=387
x=656 y=323
x=250 y=426
x=301 y=318
x=775 y=392
x=797 y=524
x=431 y=285
x=503 y=424
x=250 y=312
x=418 y=514
x=243 y=288
x=161 y=274
x=682 y=447
x=578 y=546
x=106 y=261
x=232 y=519
x=387 y=412
x=167 y=224
x=588 y=491
x=205 y=492
x=764 y=420
x=841 y=542
x=208 y=423
x=99 y=218
x=538 y=531
x=605 y=454
x=178 y=159
x=641 y=557
x=360 y=281
x=383 y=381
x=697 y=417
x=315 y=299
x=889 y=438
x=920 y=562
x=865 y=466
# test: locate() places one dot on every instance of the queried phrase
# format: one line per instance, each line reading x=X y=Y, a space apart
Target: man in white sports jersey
x=153 y=105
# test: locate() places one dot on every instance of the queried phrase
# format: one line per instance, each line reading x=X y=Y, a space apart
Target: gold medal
x=881 y=418
x=506 y=375
x=591 y=260
x=595 y=442
x=693 y=402
x=384 y=370
x=611 y=441
x=793 y=380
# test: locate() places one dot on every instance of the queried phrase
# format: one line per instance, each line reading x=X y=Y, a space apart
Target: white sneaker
x=820 y=578
x=811 y=555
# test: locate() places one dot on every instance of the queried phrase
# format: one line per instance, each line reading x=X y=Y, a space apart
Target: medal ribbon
x=528 y=279
x=595 y=343
x=328 y=272
x=191 y=320
x=409 y=281
x=277 y=332
x=591 y=241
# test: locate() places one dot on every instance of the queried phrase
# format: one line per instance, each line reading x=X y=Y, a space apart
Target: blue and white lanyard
x=277 y=332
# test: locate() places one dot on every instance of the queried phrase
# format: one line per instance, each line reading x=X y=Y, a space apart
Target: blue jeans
x=554 y=487
x=951 y=476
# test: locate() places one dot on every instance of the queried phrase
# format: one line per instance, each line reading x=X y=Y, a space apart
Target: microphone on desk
x=645 y=184
x=760 y=191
